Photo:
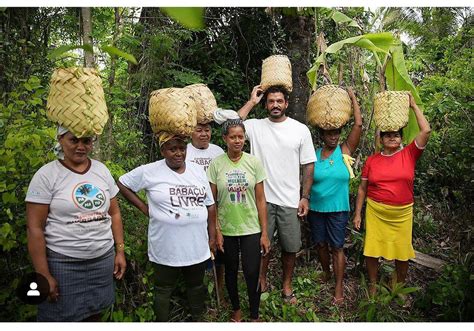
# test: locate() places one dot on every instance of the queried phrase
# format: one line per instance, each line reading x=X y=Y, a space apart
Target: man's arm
x=255 y=97
x=308 y=173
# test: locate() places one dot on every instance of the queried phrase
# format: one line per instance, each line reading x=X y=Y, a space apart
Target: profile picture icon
x=33 y=289
x=33 y=292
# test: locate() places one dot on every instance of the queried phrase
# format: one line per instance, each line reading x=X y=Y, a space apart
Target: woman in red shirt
x=387 y=182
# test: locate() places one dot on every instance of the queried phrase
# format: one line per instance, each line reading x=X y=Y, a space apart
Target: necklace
x=330 y=157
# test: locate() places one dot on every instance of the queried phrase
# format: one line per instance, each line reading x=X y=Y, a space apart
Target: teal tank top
x=330 y=190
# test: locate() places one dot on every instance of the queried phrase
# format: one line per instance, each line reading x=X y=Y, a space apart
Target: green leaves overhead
x=396 y=73
x=374 y=42
x=339 y=18
x=398 y=79
x=189 y=17
x=115 y=51
x=55 y=53
x=66 y=48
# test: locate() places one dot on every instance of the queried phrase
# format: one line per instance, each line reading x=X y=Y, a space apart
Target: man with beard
x=282 y=144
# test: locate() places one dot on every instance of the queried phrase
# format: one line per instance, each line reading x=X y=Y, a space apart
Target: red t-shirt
x=391 y=177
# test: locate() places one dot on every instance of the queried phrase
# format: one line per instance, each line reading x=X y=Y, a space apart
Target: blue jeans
x=328 y=227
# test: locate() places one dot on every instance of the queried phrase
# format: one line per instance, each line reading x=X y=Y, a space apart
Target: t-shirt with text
x=177 y=232
x=78 y=223
x=235 y=181
x=203 y=157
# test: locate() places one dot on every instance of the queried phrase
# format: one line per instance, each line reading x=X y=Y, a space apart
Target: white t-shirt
x=203 y=157
x=177 y=232
x=282 y=147
x=78 y=223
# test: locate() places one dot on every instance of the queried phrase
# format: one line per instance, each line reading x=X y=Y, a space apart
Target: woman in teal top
x=236 y=180
x=329 y=202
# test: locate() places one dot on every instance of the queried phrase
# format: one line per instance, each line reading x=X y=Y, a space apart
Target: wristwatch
x=306 y=197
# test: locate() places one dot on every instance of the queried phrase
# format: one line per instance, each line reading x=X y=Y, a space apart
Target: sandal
x=289 y=298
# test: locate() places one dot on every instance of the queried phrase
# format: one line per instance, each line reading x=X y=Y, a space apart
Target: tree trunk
x=87 y=35
x=299 y=30
x=108 y=137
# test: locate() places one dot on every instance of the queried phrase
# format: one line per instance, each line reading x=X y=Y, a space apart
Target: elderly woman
x=73 y=220
x=182 y=222
x=237 y=185
x=387 y=182
x=329 y=203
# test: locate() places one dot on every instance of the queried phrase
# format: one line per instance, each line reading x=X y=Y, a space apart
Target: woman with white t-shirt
x=182 y=222
x=73 y=220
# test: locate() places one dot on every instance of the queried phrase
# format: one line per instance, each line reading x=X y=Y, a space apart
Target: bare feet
x=372 y=289
x=337 y=301
x=289 y=298
x=236 y=316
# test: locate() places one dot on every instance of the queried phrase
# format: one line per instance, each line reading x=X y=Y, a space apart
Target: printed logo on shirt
x=202 y=161
x=186 y=196
x=88 y=196
x=237 y=185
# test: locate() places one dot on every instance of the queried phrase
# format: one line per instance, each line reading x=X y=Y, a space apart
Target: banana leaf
x=398 y=79
x=374 y=42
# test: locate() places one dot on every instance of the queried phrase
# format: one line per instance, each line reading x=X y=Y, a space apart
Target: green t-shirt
x=237 y=210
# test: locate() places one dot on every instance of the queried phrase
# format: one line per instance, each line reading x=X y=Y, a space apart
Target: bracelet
x=120 y=246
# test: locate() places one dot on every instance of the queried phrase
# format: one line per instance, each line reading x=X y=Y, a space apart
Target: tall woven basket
x=172 y=110
x=329 y=107
x=205 y=102
x=391 y=109
x=76 y=101
x=276 y=70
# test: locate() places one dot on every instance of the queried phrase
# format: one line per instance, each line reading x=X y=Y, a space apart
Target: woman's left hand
x=120 y=265
x=264 y=244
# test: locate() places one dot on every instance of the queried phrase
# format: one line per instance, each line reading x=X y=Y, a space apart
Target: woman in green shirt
x=236 y=180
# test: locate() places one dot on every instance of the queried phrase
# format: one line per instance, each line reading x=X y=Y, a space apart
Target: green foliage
x=26 y=138
x=227 y=56
x=385 y=305
x=189 y=17
x=451 y=296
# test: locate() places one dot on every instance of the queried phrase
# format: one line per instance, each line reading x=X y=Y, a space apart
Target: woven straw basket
x=391 y=110
x=172 y=110
x=329 y=107
x=205 y=102
x=76 y=101
x=276 y=70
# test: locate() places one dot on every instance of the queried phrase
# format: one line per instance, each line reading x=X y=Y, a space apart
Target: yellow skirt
x=388 y=231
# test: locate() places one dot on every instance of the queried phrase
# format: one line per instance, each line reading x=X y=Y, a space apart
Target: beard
x=279 y=115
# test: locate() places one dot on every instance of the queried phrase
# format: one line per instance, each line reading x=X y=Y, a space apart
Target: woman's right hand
x=357 y=220
x=53 y=289
x=220 y=241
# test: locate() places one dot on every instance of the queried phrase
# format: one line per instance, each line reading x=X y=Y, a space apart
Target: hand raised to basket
x=257 y=94
x=412 y=100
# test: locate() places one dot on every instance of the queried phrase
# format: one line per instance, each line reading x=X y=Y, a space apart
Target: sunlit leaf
x=339 y=18
x=66 y=48
x=397 y=79
x=115 y=51
x=189 y=17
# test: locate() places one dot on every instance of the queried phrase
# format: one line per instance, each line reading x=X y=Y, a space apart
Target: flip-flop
x=289 y=298
x=337 y=302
